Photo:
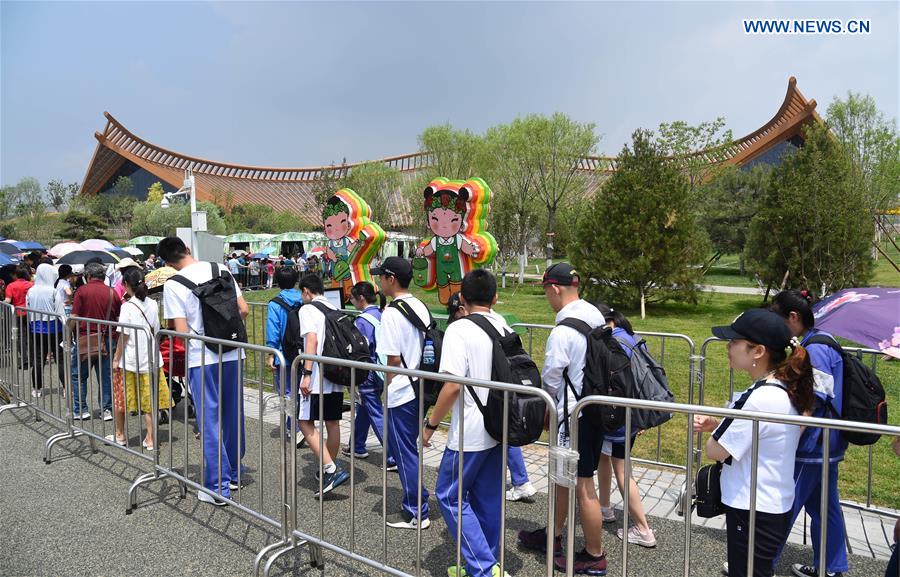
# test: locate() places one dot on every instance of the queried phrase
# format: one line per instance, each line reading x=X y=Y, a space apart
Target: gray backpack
x=650 y=384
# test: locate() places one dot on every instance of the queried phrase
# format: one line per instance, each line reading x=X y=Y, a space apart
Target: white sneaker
x=609 y=514
x=725 y=568
x=107 y=415
x=404 y=520
x=517 y=493
x=82 y=416
x=206 y=498
x=636 y=537
x=37 y=393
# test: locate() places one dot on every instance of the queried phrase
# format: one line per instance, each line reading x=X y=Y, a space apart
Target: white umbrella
x=133 y=250
x=64 y=248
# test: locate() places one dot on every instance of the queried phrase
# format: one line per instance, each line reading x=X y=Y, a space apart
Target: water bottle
x=428 y=353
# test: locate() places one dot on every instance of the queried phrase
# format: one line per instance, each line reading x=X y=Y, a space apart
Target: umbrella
x=133 y=251
x=97 y=244
x=9 y=248
x=64 y=248
x=868 y=316
x=119 y=252
x=259 y=255
x=82 y=256
x=28 y=245
x=317 y=250
x=157 y=278
x=6 y=259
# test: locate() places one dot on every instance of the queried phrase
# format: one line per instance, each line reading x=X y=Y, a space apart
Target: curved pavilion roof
x=292 y=189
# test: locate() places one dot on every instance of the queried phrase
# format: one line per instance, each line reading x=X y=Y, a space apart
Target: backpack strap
x=585 y=329
x=485 y=325
x=283 y=303
x=325 y=310
x=410 y=315
x=827 y=341
x=371 y=320
x=577 y=324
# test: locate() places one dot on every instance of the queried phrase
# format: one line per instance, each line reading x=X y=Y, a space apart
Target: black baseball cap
x=760 y=326
x=393 y=266
x=453 y=304
x=562 y=274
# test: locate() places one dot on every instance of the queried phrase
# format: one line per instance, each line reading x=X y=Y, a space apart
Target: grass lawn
x=528 y=305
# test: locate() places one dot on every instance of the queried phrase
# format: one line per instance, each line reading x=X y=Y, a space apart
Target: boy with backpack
x=468 y=352
x=204 y=300
x=563 y=376
x=401 y=340
x=283 y=328
x=315 y=388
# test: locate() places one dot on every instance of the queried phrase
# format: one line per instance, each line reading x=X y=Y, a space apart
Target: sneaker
x=585 y=563
x=207 y=498
x=725 y=568
x=391 y=467
x=405 y=520
x=537 y=541
x=107 y=415
x=643 y=539
x=233 y=485
x=37 y=393
x=333 y=480
x=359 y=454
x=301 y=442
x=519 y=492
x=82 y=416
x=799 y=570
x=609 y=514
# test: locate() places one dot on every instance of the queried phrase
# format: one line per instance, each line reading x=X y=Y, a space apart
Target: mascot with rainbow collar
x=353 y=239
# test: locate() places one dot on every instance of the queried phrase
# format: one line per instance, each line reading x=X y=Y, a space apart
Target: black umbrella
x=119 y=253
x=83 y=256
x=9 y=248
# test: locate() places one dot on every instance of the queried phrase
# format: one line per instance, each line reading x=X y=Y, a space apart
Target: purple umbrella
x=868 y=316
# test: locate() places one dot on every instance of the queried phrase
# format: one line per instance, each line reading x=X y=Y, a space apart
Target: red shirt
x=95 y=300
x=15 y=292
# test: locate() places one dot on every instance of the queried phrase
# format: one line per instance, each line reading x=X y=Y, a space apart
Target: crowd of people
x=789 y=374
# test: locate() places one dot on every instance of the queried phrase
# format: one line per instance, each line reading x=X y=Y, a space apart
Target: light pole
x=198 y=219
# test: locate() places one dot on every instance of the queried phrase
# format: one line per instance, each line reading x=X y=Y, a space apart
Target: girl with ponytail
x=133 y=360
x=795 y=307
x=369 y=412
x=760 y=344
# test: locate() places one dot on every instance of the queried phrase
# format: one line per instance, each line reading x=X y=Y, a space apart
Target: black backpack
x=607 y=371
x=708 y=491
x=431 y=334
x=510 y=364
x=292 y=339
x=863 y=393
x=343 y=341
x=218 y=307
x=650 y=384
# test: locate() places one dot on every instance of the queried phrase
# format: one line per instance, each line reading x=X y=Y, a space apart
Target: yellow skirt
x=131 y=388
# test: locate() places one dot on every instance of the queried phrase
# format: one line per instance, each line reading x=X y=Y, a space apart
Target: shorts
x=125 y=394
x=333 y=407
x=590 y=445
x=614 y=449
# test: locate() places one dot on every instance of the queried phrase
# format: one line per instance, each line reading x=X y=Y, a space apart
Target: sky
x=294 y=84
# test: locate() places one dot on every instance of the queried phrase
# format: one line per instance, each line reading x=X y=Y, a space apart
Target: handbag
x=92 y=344
x=708 y=491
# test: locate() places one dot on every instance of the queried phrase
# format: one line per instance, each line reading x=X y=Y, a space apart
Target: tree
x=559 y=144
x=813 y=227
x=155 y=193
x=122 y=187
x=30 y=197
x=695 y=149
x=454 y=153
x=260 y=218
x=81 y=226
x=57 y=194
x=376 y=182
x=9 y=201
x=639 y=239
x=150 y=218
x=873 y=144
x=512 y=177
x=729 y=203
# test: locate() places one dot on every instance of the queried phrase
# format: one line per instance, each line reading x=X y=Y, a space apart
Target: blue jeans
x=102 y=366
x=482 y=497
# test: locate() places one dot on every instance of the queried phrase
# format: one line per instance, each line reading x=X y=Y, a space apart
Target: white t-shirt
x=398 y=337
x=312 y=320
x=469 y=352
x=566 y=349
x=139 y=340
x=179 y=302
x=777 y=447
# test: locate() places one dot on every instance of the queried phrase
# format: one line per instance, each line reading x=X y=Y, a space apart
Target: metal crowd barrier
x=690 y=410
x=860 y=353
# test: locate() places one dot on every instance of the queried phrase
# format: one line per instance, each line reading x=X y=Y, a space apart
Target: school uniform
x=204 y=381
x=369 y=413
x=828 y=372
x=564 y=360
x=774 y=481
x=276 y=326
x=312 y=320
x=468 y=352
x=398 y=337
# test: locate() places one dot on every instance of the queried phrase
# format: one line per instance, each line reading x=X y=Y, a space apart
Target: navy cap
x=393 y=266
x=760 y=326
x=562 y=274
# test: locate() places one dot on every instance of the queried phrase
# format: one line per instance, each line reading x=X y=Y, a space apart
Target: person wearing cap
x=401 y=343
x=783 y=385
x=562 y=376
x=521 y=486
